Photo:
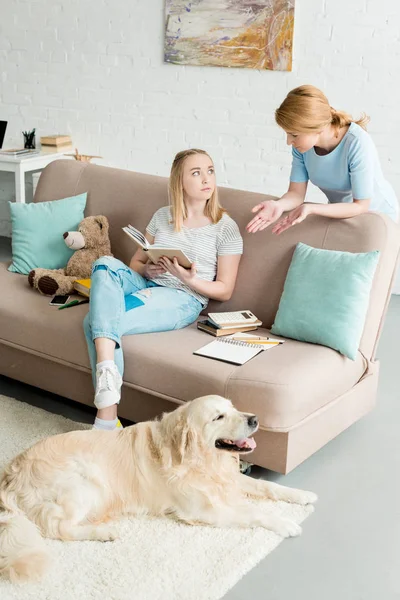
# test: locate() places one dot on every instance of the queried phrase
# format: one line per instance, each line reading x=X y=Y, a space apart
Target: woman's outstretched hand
x=295 y=216
x=268 y=212
x=173 y=267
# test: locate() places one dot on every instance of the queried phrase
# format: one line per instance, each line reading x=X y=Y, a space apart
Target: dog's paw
x=306 y=497
x=288 y=528
x=106 y=533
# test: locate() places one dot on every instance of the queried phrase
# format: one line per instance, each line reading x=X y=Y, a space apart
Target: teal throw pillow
x=37 y=232
x=325 y=298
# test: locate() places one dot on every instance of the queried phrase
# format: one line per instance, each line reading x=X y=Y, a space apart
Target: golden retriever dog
x=184 y=465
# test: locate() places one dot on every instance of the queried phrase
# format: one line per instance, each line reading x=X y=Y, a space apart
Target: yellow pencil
x=264 y=343
x=248 y=341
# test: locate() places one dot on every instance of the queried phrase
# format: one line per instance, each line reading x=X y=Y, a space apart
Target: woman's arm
x=294 y=196
x=340 y=210
x=220 y=289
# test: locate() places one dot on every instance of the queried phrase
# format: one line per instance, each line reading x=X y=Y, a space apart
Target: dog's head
x=212 y=422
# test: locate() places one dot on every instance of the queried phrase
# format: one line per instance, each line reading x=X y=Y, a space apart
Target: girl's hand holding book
x=151 y=271
x=173 y=267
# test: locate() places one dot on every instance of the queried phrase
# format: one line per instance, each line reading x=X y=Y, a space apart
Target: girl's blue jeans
x=160 y=308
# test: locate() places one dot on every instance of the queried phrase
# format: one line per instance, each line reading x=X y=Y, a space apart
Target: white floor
x=350 y=547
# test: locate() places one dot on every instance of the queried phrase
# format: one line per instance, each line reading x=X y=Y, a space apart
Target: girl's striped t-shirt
x=202 y=245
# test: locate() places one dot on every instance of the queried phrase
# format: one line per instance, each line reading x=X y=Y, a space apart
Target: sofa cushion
x=29 y=322
x=282 y=386
x=37 y=232
x=326 y=296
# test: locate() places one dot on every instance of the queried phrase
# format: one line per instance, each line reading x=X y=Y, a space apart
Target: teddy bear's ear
x=102 y=221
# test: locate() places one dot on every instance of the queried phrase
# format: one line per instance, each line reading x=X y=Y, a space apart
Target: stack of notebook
x=219 y=324
x=209 y=327
x=82 y=286
x=22 y=152
x=56 y=143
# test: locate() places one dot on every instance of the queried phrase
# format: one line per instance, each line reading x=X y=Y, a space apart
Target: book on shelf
x=57 y=148
x=55 y=140
x=82 y=286
x=209 y=327
x=156 y=252
x=19 y=152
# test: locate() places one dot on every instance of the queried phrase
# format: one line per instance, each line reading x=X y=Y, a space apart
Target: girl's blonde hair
x=306 y=109
x=213 y=209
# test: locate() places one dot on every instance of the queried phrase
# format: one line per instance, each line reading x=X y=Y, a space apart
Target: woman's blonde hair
x=213 y=209
x=306 y=109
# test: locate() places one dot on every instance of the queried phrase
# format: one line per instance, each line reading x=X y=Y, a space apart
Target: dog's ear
x=180 y=434
x=184 y=438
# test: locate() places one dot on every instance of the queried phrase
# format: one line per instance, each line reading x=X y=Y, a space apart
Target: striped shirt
x=202 y=245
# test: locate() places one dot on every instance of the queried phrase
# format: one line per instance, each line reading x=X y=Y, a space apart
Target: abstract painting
x=256 y=34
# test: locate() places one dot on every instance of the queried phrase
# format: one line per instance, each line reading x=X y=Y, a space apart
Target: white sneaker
x=108 y=386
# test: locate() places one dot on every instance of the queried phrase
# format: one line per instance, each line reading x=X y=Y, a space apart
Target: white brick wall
x=95 y=70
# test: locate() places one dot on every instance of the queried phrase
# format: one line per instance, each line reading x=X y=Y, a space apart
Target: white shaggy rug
x=154 y=559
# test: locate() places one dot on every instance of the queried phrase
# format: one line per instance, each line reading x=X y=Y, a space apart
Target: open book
x=156 y=252
x=229 y=350
x=237 y=349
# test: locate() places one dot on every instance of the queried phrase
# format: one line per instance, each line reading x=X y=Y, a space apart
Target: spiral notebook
x=229 y=350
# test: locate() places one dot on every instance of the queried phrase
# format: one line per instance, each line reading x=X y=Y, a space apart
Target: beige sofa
x=303 y=394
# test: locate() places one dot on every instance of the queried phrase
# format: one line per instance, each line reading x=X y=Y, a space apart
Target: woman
x=336 y=154
x=163 y=296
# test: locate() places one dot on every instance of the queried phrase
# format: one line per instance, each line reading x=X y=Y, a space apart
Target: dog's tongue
x=246 y=443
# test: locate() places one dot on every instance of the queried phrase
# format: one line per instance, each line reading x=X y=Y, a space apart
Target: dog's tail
x=23 y=554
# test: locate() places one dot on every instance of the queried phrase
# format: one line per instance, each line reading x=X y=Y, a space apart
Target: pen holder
x=29 y=139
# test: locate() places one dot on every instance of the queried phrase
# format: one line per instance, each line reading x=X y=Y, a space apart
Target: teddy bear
x=90 y=242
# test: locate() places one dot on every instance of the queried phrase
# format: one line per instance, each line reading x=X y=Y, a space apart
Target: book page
x=136 y=235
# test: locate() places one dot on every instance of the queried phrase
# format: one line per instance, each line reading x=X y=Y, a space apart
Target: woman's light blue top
x=352 y=171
